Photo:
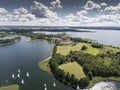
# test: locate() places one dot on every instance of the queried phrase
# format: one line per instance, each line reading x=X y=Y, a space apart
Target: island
x=9 y=41
x=81 y=63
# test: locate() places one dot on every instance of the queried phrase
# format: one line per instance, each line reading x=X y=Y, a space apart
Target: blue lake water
x=25 y=56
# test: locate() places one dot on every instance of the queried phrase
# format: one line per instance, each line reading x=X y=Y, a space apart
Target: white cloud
x=42 y=15
x=3 y=11
x=82 y=12
x=113 y=9
x=27 y=17
x=79 y=18
x=83 y=19
x=90 y=5
x=55 y=4
x=42 y=11
x=103 y=4
x=20 y=11
x=17 y=18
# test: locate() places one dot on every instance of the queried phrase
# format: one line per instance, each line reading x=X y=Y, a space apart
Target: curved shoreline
x=109 y=85
x=44 y=66
x=101 y=79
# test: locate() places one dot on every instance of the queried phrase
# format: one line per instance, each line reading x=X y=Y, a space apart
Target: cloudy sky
x=60 y=12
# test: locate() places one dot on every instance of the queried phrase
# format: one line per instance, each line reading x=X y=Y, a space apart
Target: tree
x=84 y=47
x=97 y=45
x=90 y=75
x=84 y=82
x=73 y=81
x=67 y=78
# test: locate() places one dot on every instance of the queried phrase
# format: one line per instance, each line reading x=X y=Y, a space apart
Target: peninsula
x=82 y=62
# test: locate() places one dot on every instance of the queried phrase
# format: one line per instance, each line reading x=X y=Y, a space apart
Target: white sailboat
x=22 y=81
x=6 y=81
x=27 y=74
x=54 y=85
x=18 y=70
x=45 y=84
x=45 y=88
x=13 y=76
x=78 y=88
x=18 y=76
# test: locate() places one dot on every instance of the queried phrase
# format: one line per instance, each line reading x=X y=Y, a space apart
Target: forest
x=104 y=64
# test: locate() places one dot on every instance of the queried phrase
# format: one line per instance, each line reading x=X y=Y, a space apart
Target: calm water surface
x=25 y=56
x=108 y=37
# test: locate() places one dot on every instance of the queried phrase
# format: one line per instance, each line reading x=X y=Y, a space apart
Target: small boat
x=45 y=84
x=18 y=76
x=54 y=85
x=22 y=81
x=27 y=74
x=78 y=88
x=13 y=76
x=18 y=70
x=45 y=88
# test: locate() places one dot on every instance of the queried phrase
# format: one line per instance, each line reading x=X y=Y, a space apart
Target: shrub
x=84 y=82
x=84 y=47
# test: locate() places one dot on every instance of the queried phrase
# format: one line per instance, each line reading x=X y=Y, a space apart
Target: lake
x=26 y=55
x=107 y=37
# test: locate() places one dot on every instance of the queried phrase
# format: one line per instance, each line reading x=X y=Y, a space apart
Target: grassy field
x=44 y=65
x=73 y=68
x=91 y=50
x=64 y=50
x=11 y=87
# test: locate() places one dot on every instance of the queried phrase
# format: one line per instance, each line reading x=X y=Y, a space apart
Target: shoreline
x=44 y=66
x=8 y=43
x=97 y=80
x=10 y=87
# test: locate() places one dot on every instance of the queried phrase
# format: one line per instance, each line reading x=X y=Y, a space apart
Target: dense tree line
x=66 y=78
x=59 y=74
x=80 y=40
x=96 y=65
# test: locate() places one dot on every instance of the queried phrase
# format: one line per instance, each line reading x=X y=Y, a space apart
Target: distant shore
x=9 y=41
